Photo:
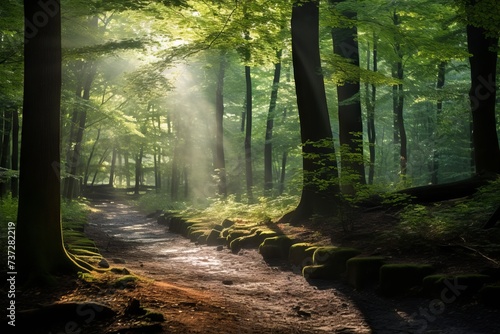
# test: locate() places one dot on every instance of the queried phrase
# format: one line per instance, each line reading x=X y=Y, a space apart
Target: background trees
x=155 y=94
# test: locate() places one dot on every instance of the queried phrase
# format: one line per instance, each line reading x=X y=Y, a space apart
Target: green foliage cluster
x=452 y=222
x=265 y=210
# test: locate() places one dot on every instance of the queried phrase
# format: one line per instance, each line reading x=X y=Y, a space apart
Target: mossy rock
x=334 y=257
x=433 y=285
x=218 y=227
x=194 y=235
x=320 y=271
x=489 y=295
x=213 y=238
x=463 y=286
x=275 y=247
x=270 y=252
x=323 y=254
x=225 y=232
x=363 y=271
x=227 y=223
x=175 y=223
x=202 y=239
x=401 y=279
x=298 y=255
x=264 y=234
x=237 y=234
x=247 y=241
x=186 y=226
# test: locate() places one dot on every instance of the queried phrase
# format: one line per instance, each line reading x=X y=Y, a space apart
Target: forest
x=363 y=128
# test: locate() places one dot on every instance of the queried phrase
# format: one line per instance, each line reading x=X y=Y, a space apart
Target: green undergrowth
x=457 y=221
x=217 y=209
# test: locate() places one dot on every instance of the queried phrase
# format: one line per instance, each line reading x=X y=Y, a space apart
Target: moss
x=400 y=279
x=322 y=254
x=334 y=257
x=247 y=241
x=320 y=271
x=194 y=235
x=297 y=255
x=275 y=247
x=363 y=271
x=237 y=234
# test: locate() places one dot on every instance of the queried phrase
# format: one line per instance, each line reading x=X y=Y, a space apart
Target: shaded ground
x=199 y=289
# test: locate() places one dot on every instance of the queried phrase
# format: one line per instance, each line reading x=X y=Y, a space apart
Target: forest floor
x=200 y=289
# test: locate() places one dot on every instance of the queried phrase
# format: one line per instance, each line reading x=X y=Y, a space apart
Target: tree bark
x=76 y=154
x=398 y=107
x=371 y=98
x=345 y=44
x=138 y=170
x=482 y=94
x=112 y=168
x=320 y=174
x=89 y=160
x=268 y=145
x=40 y=251
x=15 y=154
x=439 y=109
x=5 y=153
x=248 y=135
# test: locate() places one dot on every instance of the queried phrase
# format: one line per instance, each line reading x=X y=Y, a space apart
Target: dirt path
x=241 y=293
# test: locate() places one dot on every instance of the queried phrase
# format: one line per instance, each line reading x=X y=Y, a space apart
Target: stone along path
x=263 y=295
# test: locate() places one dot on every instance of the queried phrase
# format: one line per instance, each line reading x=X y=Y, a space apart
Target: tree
x=345 y=45
x=40 y=251
x=268 y=145
x=319 y=164
x=482 y=44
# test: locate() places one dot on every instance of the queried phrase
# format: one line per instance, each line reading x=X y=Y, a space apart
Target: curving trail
x=259 y=297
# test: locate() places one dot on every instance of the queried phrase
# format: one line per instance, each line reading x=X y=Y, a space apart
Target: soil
x=188 y=288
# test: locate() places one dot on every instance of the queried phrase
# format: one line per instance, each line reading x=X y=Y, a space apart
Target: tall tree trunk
x=138 y=170
x=5 y=153
x=99 y=164
x=40 y=251
x=112 y=167
x=268 y=145
x=345 y=44
x=482 y=94
x=284 y=158
x=398 y=107
x=371 y=98
x=127 y=169
x=219 y=159
x=318 y=158
x=76 y=155
x=248 y=135
x=439 y=109
x=175 y=176
x=14 y=186
x=89 y=160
